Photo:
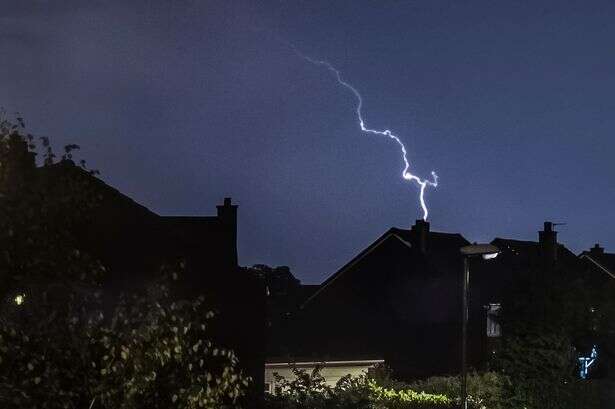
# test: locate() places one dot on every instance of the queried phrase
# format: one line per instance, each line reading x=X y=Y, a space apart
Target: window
x=585 y=362
x=493 y=323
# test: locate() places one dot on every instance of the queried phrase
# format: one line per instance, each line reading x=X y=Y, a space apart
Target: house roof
x=530 y=251
x=443 y=248
x=130 y=238
x=442 y=253
x=518 y=262
x=603 y=261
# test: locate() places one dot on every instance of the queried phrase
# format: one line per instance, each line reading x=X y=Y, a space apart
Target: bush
x=61 y=345
x=309 y=390
x=154 y=352
x=381 y=391
x=485 y=390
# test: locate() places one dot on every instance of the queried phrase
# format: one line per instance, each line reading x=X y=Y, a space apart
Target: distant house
x=603 y=263
x=399 y=300
x=599 y=356
x=493 y=284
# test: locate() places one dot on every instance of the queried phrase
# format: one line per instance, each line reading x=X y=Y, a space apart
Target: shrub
x=309 y=390
x=155 y=351
x=61 y=346
x=484 y=389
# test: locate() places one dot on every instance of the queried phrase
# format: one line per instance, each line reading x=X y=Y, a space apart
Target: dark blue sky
x=180 y=103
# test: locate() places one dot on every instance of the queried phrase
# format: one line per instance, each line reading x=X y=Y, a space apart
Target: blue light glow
x=587 y=362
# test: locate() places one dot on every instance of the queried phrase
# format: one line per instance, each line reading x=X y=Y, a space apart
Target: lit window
x=19 y=299
x=585 y=362
x=493 y=323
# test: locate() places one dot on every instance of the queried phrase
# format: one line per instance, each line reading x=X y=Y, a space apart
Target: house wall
x=331 y=371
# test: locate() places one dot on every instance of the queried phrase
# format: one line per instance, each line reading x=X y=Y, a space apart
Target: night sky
x=181 y=103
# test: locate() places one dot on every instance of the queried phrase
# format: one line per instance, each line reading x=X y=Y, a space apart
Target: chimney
x=420 y=235
x=548 y=244
x=227 y=215
x=19 y=164
x=596 y=250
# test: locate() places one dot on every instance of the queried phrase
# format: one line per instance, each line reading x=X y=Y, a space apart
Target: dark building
x=133 y=243
x=400 y=300
x=600 y=276
x=521 y=266
x=284 y=293
x=601 y=264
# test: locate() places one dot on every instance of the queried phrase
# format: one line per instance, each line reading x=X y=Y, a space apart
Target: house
x=331 y=371
x=399 y=300
x=602 y=263
x=133 y=242
x=599 y=357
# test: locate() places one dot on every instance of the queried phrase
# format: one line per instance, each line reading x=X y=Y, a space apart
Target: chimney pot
x=597 y=249
x=227 y=215
x=548 y=244
x=420 y=235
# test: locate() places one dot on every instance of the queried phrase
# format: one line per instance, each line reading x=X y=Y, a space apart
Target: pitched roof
x=530 y=251
x=129 y=238
x=604 y=261
x=442 y=253
x=443 y=248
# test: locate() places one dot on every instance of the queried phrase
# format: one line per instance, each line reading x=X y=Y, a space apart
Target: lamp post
x=486 y=252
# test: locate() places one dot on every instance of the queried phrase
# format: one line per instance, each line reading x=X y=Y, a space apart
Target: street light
x=486 y=252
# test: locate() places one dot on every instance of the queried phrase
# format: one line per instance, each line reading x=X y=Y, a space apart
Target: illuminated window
x=586 y=362
x=19 y=299
x=493 y=323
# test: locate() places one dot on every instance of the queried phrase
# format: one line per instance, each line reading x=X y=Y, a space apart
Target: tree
x=542 y=319
x=60 y=345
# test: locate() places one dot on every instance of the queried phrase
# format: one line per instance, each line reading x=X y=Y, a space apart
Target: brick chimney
x=420 y=235
x=596 y=250
x=227 y=215
x=548 y=244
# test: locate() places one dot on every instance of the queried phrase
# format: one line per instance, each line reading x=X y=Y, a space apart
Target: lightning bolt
x=406 y=174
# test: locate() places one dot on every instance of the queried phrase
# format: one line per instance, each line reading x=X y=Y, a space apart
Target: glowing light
x=19 y=299
x=586 y=362
x=406 y=174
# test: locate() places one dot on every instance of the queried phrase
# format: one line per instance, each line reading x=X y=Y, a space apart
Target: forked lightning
x=406 y=174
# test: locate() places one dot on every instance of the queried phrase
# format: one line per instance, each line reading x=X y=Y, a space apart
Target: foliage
x=61 y=344
x=305 y=390
x=407 y=398
x=157 y=353
x=283 y=292
x=541 y=321
x=153 y=352
x=485 y=389
x=36 y=218
x=309 y=390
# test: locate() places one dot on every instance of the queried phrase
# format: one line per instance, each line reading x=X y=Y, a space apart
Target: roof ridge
x=516 y=240
x=430 y=231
